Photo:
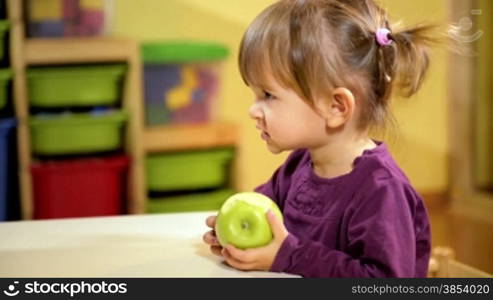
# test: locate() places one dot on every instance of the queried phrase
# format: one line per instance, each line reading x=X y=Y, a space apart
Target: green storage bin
x=77 y=133
x=161 y=52
x=192 y=202
x=75 y=86
x=188 y=170
x=5 y=76
x=4 y=27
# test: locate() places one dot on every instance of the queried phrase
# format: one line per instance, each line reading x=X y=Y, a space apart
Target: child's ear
x=339 y=108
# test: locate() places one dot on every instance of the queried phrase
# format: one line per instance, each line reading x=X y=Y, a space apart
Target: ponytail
x=412 y=57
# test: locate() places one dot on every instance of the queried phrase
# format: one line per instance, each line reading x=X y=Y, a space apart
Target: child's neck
x=336 y=158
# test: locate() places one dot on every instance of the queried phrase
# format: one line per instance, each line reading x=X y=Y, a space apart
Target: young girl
x=322 y=72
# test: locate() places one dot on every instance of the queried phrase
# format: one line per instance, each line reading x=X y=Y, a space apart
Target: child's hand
x=258 y=258
x=210 y=236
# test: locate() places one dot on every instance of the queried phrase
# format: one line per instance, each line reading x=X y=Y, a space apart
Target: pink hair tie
x=383 y=38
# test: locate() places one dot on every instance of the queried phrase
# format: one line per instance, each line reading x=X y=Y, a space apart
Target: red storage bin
x=79 y=188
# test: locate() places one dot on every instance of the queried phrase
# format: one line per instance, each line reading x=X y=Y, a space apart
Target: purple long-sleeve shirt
x=367 y=223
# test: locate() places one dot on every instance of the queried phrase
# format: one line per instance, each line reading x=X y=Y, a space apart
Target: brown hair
x=313 y=46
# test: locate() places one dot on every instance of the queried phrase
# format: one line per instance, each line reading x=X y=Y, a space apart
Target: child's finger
x=276 y=225
x=217 y=250
x=234 y=262
x=210 y=238
x=239 y=255
x=211 y=221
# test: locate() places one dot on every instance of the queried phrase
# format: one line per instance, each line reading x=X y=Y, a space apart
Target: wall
x=420 y=144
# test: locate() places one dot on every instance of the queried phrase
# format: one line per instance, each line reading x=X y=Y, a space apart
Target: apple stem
x=244 y=225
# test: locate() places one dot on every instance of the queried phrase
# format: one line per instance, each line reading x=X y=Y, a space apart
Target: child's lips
x=265 y=135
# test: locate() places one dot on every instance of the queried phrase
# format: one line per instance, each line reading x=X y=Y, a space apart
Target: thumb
x=276 y=225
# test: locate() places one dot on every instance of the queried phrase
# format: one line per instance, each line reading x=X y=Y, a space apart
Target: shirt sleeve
x=381 y=240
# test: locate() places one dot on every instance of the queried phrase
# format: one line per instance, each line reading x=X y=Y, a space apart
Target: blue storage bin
x=8 y=164
x=50 y=28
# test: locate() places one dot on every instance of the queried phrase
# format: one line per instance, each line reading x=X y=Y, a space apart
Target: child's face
x=285 y=120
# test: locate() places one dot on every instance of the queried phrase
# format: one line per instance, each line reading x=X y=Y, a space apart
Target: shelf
x=25 y=52
x=189 y=137
x=39 y=51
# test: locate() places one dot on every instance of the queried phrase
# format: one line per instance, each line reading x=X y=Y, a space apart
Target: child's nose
x=254 y=111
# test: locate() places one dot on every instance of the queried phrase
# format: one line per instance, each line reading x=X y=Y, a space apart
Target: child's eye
x=268 y=95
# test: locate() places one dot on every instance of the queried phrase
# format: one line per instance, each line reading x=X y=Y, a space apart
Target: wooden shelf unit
x=40 y=51
x=27 y=52
x=189 y=137
x=140 y=141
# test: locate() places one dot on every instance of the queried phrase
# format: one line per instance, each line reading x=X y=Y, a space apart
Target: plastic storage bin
x=75 y=86
x=8 y=173
x=57 y=18
x=180 y=81
x=46 y=28
x=187 y=170
x=190 y=202
x=5 y=76
x=79 y=188
x=4 y=27
x=79 y=133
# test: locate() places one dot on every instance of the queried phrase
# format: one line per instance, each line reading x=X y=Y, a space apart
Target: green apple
x=242 y=220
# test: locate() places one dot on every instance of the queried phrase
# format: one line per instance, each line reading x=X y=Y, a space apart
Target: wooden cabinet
x=26 y=52
x=189 y=137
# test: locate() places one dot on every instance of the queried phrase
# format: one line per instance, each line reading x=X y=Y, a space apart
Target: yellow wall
x=420 y=145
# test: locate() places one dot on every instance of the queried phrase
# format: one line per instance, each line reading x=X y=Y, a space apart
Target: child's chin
x=274 y=149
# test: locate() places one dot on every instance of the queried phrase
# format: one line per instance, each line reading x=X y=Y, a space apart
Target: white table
x=165 y=245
